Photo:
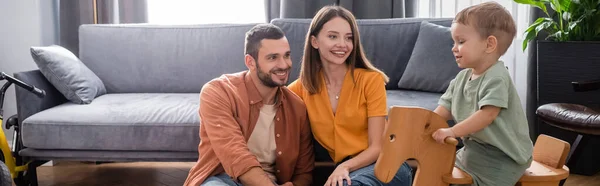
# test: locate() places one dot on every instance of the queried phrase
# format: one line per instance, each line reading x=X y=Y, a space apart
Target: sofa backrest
x=140 y=58
x=143 y=58
x=388 y=43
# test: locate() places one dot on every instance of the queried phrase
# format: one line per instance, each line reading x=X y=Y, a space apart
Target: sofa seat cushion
x=427 y=100
x=139 y=122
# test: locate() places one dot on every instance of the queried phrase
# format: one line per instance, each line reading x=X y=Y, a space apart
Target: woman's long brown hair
x=311 y=61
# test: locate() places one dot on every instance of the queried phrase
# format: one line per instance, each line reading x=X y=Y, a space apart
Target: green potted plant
x=567 y=37
x=577 y=20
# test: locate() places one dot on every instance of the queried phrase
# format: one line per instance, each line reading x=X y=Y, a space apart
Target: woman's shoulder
x=296 y=87
x=361 y=74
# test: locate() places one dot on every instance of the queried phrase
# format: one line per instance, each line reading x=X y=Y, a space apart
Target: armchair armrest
x=582 y=86
x=27 y=102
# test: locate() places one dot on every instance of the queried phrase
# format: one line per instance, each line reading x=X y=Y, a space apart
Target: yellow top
x=345 y=134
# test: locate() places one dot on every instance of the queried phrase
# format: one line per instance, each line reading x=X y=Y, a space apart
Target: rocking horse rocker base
x=408 y=135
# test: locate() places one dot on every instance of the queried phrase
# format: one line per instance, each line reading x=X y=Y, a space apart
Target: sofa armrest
x=27 y=102
x=582 y=86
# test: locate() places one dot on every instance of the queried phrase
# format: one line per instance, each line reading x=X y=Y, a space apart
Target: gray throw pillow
x=68 y=74
x=432 y=65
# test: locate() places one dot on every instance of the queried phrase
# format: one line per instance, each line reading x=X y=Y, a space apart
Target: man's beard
x=266 y=79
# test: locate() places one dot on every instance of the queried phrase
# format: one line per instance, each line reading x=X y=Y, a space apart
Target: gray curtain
x=133 y=11
x=71 y=15
x=74 y=13
x=360 y=8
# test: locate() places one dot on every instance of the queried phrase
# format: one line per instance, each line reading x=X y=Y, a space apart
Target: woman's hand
x=337 y=177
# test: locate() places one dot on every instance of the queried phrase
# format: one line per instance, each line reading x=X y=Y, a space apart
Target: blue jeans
x=220 y=180
x=362 y=177
x=366 y=177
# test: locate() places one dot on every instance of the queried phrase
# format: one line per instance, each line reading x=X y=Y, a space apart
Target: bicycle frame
x=9 y=159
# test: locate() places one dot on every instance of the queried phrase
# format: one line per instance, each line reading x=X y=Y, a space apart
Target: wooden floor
x=156 y=174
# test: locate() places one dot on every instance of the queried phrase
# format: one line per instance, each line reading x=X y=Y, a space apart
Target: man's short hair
x=257 y=34
x=490 y=18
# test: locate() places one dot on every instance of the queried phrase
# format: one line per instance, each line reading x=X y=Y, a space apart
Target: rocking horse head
x=408 y=135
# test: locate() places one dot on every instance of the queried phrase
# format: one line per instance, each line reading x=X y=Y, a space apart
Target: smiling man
x=254 y=131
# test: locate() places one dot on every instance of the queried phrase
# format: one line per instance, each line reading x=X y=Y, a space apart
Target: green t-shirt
x=509 y=132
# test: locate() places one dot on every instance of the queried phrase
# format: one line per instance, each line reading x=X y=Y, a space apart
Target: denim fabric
x=220 y=180
x=366 y=177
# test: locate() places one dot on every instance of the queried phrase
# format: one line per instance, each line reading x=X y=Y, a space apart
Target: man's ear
x=313 y=42
x=250 y=62
x=492 y=44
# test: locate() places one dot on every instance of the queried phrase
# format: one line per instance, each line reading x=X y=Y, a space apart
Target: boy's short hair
x=490 y=18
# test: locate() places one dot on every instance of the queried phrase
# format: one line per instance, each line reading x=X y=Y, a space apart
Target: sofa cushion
x=390 y=53
x=427 y=100
x=431 y=66
x=134 y=122
x=68 y=74
x=142 y=58
x=95 y=155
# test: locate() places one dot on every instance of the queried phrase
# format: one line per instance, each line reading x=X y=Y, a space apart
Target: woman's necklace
x=337 y=95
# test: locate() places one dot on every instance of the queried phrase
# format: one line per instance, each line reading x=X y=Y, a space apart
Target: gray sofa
x=153 y=76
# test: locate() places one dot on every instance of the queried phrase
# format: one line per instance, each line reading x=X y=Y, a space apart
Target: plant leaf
x=555 y=5
x=564 y=4
x=573 y=24
x=530 y=35
x=558 y=36
x=543 y=26
x=532 y=31
x=566 y=16
x=537 y=22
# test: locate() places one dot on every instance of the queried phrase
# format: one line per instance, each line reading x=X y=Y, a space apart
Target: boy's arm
x=445 y=102
x=442 y=111
x=225 y=135
x=494 y=98
x=481 y=119
x=474 y=123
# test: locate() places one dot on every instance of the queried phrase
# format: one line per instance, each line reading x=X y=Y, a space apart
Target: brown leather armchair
x=580 y=119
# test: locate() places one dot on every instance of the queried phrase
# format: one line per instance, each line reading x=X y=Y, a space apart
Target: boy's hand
x=441 y=134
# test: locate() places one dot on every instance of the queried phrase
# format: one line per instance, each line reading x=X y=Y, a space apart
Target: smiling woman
x=205 y=12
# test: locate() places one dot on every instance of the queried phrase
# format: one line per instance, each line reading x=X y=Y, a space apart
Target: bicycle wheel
x=5 y=178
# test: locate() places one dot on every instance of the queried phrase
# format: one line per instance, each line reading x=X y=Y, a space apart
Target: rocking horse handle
x=451 y=141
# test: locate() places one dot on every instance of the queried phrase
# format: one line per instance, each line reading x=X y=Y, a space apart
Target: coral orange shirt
x=230 y=107
x=345 y=134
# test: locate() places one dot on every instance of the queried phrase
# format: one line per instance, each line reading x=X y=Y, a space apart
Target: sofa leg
x=31 y=174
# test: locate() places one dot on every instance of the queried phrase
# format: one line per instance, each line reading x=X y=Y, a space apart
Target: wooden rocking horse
x=408 y=135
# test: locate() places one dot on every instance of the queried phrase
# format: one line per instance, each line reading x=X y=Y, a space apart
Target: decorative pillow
x=68 y=74
x=432 y=65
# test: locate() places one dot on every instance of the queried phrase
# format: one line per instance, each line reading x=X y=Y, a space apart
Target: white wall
x=24 y=23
